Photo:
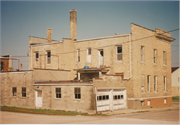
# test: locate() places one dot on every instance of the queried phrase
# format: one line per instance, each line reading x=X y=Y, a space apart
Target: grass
x=44 y=111
x=175 y=99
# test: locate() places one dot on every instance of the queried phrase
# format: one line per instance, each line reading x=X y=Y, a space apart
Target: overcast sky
x=21 y=19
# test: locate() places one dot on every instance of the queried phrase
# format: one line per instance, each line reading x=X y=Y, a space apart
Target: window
x=142 y=53
x=154 y=56
x=77 y=93
x=23 y=91
x=36 y=58
x=115 y=97
x=89 y=51
x=148 y=83
x=164 y=83
x=164 y=101
x=78 y=55
x=142 y=83
x=89 y=55
x=164 y=57
x=58 y=92
x=155 y=83
x=48 y=57
x=119 y=53
x=14 y=91
x=148 y=103
x=102 y=97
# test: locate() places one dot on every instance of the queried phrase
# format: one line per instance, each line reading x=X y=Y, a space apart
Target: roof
x=174 y=69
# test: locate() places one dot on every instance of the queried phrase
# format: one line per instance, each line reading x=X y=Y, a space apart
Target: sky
x=21 y=19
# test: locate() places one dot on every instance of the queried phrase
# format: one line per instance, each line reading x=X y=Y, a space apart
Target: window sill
x=143 y=63
x=23 y=97
x=119 y=61
x=57 y=98
x=143 y=93
x=155 y=92
x=165 y=91
x=165 y=65
x=76 y=99
x=155 y=64
x=48 y=64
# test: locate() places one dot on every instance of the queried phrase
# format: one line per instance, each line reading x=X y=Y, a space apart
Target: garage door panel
x=99 y=103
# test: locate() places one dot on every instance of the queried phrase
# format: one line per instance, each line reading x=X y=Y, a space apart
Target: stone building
x=175 y=81
x=121 y=71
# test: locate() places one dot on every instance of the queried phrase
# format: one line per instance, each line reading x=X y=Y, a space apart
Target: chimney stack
x=73 y=24
x=49 y=35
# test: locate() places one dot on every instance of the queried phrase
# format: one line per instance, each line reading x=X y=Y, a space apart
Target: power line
x=108 y=45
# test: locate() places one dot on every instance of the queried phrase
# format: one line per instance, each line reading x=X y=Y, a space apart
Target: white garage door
x=109 y=100
x=119 y=99
x=103 y=100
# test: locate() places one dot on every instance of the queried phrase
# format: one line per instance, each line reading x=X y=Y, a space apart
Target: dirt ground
x=154 y=117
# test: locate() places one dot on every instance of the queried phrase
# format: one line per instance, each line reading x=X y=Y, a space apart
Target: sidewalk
x=175 y=105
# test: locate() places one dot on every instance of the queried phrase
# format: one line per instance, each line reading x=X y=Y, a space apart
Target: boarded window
x=155 y=83
x=142 y=53
x=148 y=83
x=119 y=53
x=39 y=93
x=14 y=91
x=154 y=56
x=23 y=91
x=58 y=92
x=77 y=93
x=164 y=83
x=48 y=57
x=164 y=57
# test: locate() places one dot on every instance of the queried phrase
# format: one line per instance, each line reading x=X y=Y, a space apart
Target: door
x=101 y=58
x=119 y=99
x=38 y=98
x=103 y=100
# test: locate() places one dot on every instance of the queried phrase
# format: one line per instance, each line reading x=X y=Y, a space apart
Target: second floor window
x=142 y=53
x=48 y=57
x=165 y=83
x=89 y=55
x=164 y=57
x=154 y=56
x=78 y=55
x=119 y=53
x=155 y=83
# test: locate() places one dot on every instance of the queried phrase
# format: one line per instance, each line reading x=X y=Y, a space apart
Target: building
x=175 y=75
x=121 y=71
x=6 y=63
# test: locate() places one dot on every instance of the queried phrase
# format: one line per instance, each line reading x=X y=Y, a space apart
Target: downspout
x=129 y=58
x=31 y=57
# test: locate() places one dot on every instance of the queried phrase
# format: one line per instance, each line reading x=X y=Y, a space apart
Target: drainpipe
x=129 y=57
x=31 y=57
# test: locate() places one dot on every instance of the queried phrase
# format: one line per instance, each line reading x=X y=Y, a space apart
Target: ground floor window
x=23 y=91
x=103 y=97
x=77 y=93
x=148 y=103
x=14 y=91
x=58 y=92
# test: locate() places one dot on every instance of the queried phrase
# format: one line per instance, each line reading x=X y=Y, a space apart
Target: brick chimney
x=49 y=35
x=73 y=24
